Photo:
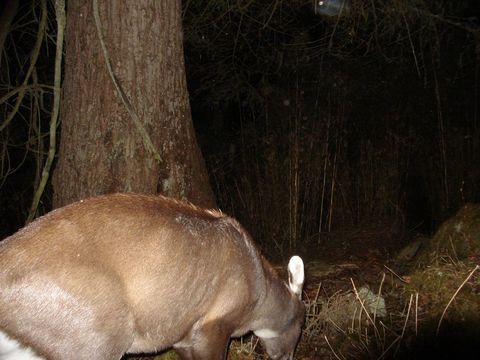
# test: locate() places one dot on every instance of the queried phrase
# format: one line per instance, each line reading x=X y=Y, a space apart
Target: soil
x=432 y=300
x=430 y=309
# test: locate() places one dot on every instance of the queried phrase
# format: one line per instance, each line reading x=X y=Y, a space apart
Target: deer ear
x=296 y=275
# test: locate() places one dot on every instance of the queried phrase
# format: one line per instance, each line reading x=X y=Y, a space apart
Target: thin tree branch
x=61 y=20
x=9 y=11
x=33 y=61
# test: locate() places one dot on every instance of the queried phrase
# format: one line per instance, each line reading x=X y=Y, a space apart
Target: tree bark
x=102 y=148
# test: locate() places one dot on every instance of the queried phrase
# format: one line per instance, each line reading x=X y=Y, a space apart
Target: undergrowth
x=433 y=313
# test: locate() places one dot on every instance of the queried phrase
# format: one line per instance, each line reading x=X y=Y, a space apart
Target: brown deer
x=128 y=273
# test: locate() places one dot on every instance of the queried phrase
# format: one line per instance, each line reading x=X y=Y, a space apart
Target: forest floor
x=372 y=295
x=368 y=297
x=345 y=266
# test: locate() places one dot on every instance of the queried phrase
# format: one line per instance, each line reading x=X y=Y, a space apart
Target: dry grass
x=344 y=325
x=434 y=301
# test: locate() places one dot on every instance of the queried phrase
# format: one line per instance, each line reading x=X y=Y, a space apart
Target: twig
x=364 y=308
x=412 y=46
x=24 y=88
x=399 y=337
x=406 y=321
x=382 y=355
x=7 y=15
x=33 y=61
x=271 y=15
x=454 y=295
x=333 y=351
x=336 y=326
x=396 y=275
x=416 y=313
x=378 y=297
x=60 y=13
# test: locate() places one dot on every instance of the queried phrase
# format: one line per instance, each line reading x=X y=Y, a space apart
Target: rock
x=373 y=304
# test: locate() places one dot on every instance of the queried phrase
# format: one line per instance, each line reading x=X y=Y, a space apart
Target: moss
x=437 y=284
x=458 y=237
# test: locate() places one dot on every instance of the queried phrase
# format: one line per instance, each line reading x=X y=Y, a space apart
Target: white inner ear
x=296 y=275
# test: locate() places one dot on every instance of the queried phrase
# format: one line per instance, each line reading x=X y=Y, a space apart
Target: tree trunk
x=103 y=149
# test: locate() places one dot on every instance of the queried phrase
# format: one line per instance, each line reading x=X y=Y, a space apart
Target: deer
x=130 y=273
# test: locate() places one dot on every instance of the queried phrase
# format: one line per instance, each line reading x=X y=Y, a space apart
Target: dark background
x=310 y=125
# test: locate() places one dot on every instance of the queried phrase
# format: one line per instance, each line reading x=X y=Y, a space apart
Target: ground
x=379 y=294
